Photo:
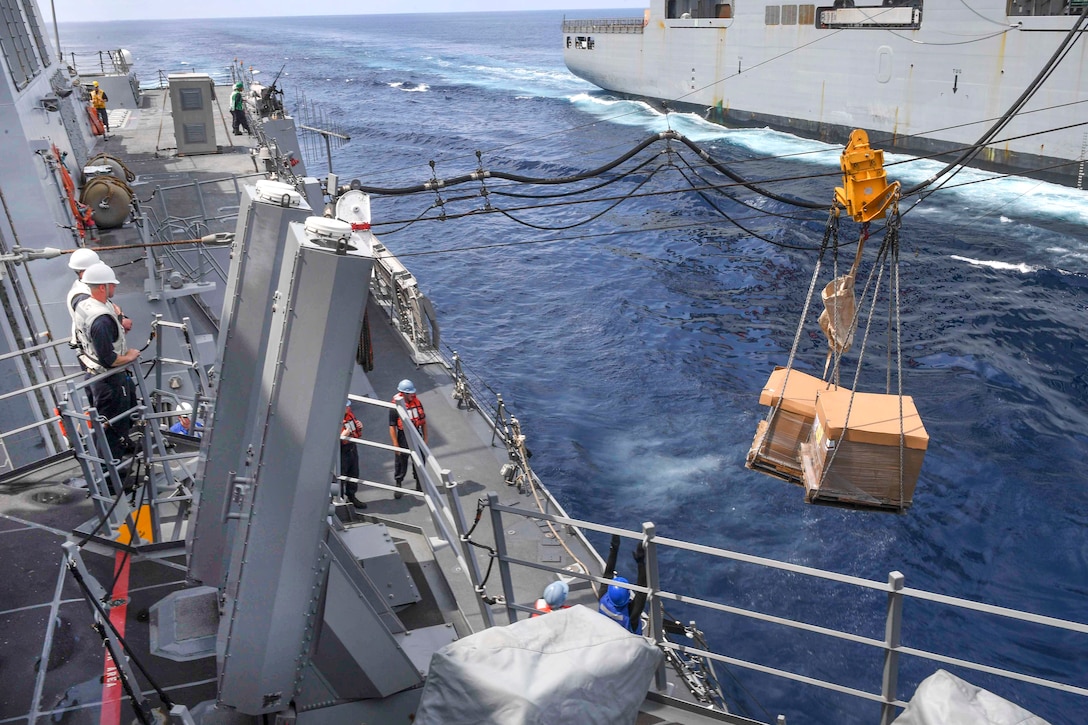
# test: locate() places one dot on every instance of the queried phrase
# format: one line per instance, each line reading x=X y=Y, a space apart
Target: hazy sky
x=74 y=10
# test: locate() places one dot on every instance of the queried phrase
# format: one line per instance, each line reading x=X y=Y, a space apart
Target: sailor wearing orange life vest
x=555 y=594
x=406 y=397
x=352 y=427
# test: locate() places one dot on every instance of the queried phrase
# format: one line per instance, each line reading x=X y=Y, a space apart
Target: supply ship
x=921 y=77
x=225 y=576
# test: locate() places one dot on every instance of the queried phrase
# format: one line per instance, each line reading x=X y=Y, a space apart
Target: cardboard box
x=853 y=456
x=776 y=448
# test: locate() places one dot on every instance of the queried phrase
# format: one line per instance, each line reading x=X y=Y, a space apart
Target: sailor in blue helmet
x=555 y=597
x=406 y=397
x=616 y=602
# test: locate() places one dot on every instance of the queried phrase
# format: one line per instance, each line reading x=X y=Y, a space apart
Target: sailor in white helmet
x=80 y=260
x=102 y=347
x=185 y=422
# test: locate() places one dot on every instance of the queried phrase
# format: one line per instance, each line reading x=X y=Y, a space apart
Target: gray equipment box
x=192 y=97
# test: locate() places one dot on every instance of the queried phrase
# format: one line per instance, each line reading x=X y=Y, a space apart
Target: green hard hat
x=239 y=85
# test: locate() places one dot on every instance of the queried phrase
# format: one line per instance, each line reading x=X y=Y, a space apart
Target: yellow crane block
x=865 y=191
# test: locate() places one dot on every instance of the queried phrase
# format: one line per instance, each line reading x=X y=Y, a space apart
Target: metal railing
x=440 y=495
x=100 y=62
x=890 y=646
x=162 y=478
x=604 y=25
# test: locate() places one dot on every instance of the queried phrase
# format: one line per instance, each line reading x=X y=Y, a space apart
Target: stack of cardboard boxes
x=859 y=450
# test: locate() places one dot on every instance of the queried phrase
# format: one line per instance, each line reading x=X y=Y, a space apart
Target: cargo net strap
x=831 y=239
x=888 y=256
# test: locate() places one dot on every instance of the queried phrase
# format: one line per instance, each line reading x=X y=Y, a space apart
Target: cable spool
x=117 y=167
x=109 y=200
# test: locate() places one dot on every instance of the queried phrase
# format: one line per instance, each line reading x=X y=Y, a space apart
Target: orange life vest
x=415 y=411
x=351 y=427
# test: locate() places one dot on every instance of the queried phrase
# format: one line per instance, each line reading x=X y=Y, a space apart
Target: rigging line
x=583 y=237
x=548 y=207
x=740 y=181
x=980 y=15
x=669 y=135
x=476 y=176
x=711 y=186
x=924 y=193
x=958 y=42
x=928 y=156
x=777 y=180
x=99 y=608
x=1003 y=140
x=997 y=177
x=584 y=221
x=1048 y=67
x=405 y=223
x=752 y=68
x=728 y=218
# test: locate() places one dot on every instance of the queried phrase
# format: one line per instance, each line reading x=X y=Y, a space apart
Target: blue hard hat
x=618 y=595
x=556 y=593
x=348 y=404
x=406 y=386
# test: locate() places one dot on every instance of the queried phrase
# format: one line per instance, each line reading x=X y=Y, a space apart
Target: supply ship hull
x=921 y=77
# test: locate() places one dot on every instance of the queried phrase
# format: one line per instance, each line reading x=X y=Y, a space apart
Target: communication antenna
x=316 y=126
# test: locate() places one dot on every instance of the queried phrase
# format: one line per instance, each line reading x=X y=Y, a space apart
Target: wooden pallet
x=770 y=465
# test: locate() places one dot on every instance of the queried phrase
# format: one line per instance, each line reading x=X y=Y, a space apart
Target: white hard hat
x=99 y=273
x=82 y=258
x=184 y=409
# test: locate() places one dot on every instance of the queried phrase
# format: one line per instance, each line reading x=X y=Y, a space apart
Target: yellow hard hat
x=96 y=84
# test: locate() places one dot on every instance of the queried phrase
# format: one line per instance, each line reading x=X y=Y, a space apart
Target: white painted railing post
x=892 y=629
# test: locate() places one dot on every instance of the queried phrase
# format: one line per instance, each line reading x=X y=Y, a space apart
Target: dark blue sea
x=633 y=347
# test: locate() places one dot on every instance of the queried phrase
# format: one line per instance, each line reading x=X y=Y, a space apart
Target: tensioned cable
x=1048 y=68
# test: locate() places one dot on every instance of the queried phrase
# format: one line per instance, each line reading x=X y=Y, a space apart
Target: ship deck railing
x=604 y=25
x=885 y=602
x=890 y=646
x=99 y=62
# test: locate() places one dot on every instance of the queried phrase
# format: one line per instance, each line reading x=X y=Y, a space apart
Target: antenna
x=315 y=126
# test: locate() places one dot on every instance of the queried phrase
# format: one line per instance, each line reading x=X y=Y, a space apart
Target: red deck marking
x=112 y=690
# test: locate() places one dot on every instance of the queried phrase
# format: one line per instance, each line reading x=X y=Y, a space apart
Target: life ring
x=96 y=123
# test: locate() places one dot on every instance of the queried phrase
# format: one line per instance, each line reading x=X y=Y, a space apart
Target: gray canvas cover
x=942 y=699
x=571 y=666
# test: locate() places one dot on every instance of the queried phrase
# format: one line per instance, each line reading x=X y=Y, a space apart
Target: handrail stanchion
x=652 y=583
x=500 y=551
x=454 y=504
x=892 y=630
x=159 y=356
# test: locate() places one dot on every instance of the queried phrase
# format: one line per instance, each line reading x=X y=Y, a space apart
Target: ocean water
x=633 y=346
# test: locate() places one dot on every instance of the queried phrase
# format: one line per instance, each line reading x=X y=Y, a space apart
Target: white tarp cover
x=571 y=666
x=943 y=699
